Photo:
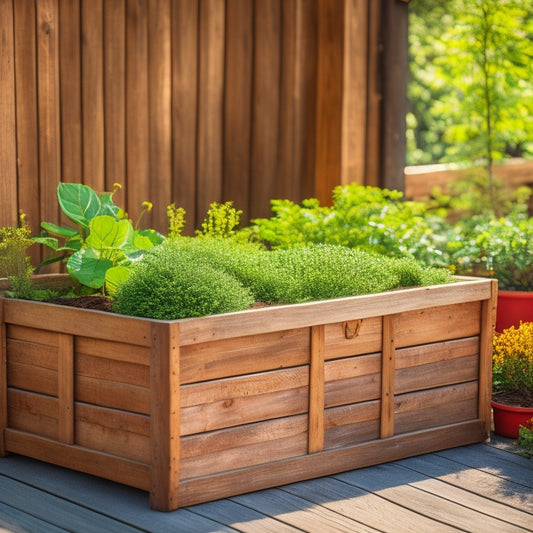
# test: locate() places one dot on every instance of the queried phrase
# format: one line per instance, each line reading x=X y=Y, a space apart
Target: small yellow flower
x=147 y=205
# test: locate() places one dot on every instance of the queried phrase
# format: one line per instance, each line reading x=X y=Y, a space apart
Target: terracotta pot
x=513 y=307
x=507 y=418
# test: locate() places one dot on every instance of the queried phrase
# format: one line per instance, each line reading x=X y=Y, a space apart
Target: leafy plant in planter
x=99 y=252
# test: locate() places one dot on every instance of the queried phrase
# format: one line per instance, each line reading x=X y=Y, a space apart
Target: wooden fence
x=196 y=101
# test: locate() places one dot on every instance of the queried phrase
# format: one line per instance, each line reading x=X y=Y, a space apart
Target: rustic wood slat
x=388 y=365
x=70 y=77
x=79 y=322
x=354 y=92
x=114 y=351
x=329 y=98
x=34 y=413
x=48 y=108
x=266 y=102
x=488 y=316
x=65 y=388
x=165 y=418
x=238 y=103
x=3 y=380
x=185 y=106
x=210 y=104
x=114 y=34
x=112 y=370
x=137 y=106
x=32 y=378
x=294 y=316
x=27 y=121
x=326 y=462
x=92 y=462
x=367 y=338
x=8 y=132
x=316 y=390
x=160 y=112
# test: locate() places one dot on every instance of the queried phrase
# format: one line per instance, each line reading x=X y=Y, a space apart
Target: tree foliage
x=471 y=88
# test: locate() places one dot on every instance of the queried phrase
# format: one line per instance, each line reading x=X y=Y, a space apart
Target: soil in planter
x=514 y=398
x=100 y=303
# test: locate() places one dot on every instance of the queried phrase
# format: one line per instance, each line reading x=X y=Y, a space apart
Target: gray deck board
x=472 y=488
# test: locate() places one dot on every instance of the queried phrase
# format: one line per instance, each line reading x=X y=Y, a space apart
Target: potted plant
x=501 y=248
x=200 y=408
x=512 y=398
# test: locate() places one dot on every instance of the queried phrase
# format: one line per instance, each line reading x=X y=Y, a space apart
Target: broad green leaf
x=114 y=277
x=88 y=269
x=79 y=203
x=108 y=233
x=51 y=242
x=62 y=231
x=147 y=238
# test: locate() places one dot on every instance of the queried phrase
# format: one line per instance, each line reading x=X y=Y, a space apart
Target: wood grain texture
x=316 y=390
x=8 y=134
x=388 y=366
x=3 y=380
x=65 y=388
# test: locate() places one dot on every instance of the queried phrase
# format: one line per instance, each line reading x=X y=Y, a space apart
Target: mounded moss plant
x=189 y=277
x=166 y=284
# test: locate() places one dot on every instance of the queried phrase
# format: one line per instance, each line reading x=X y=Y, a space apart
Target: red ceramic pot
x=507 y=419
x=513 y=307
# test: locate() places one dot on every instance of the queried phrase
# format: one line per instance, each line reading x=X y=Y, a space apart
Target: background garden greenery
x=471 y=87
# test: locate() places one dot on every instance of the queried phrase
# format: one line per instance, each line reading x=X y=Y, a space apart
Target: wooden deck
x=482 y=487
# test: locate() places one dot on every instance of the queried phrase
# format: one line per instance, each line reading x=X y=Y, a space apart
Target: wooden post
x=387 y=378
x=3 y=380
x=164 y=416
x=488 y=322
x=316 y=390
x=65 y=387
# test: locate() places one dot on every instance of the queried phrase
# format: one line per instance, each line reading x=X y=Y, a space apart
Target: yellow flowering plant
x=512 y=365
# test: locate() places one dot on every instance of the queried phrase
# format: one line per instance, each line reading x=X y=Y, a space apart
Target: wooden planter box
x=199 y=409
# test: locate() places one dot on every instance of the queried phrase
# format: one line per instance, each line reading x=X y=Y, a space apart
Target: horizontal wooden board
x=112 y=394
x=437 y=374
x=32 y=378
x=132 y=473
x=83 y=322
x=35 y=413
x=435 y=407
x=244 y=355
x=366 y=337
x=116 y=351
x=32 y=354
x=277 y=318
x=437 y=323
x=243 y=446
x=112 y=370
x=242 y=400
x=34 y=335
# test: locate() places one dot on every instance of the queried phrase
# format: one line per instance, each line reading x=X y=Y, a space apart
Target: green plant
x=525 y=435
x=221 y=221
x=167 y=285
x=368 y=218
x=512 y=364
x=99 y=252
x=14 y=262
x=500 y=248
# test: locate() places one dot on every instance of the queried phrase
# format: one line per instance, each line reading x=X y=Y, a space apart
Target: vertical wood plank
x=115 y=96
x=26 y=116
x=93 y=93
x=49 y=109
x=8 y=136
x=266 y=104
x=3 y=380
x=238 y=104
x=354 y=92
x=374 y=96
x=329 y=98
x=164 y=417
x=160 y=118
x=388 y=361
x=210 y=104
x=65 y=377
x=137 y=140
x=488 y=326
x=185 y=105
x=70 y=88
x=316 y=390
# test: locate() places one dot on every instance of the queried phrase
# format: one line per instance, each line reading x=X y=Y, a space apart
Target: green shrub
x=167 y=285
